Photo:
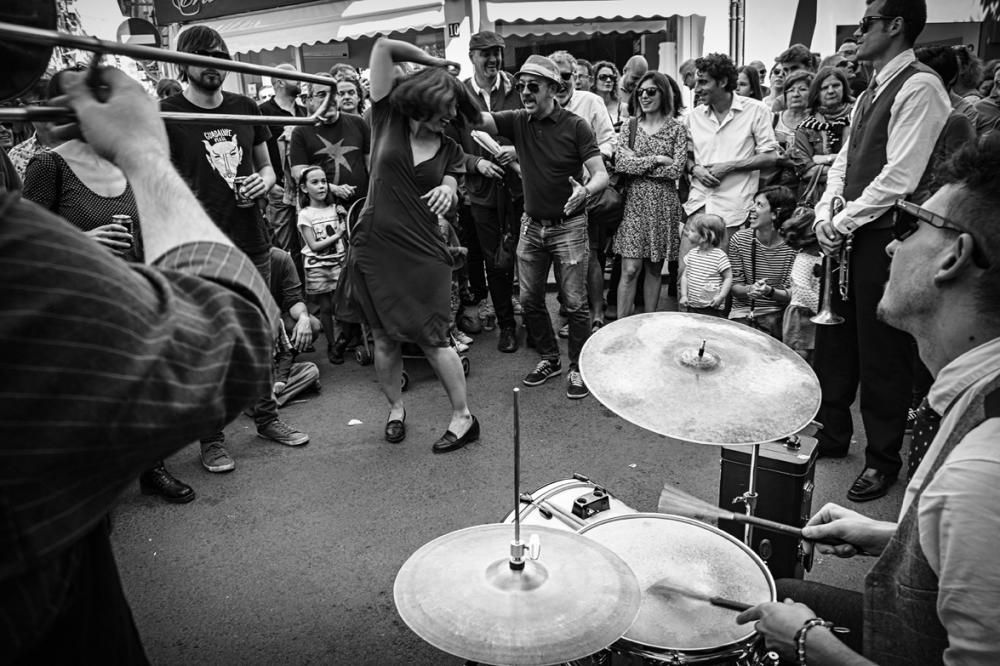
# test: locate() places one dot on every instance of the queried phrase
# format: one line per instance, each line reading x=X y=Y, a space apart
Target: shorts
x=321 y=277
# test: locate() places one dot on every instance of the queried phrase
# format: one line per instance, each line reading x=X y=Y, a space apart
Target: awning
x=325 y=22
x=588 y=10
x=579 y=28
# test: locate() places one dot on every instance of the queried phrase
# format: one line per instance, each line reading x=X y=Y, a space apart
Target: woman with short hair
x=820 y=136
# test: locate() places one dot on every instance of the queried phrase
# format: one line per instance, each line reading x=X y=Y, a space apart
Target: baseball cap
x=540 y=66
x=485 y=39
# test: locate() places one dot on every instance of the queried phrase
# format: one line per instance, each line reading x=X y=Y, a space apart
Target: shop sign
x=184 y=11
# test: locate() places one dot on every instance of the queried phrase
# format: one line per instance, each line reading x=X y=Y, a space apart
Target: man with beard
x=555 y=146
x=210 y=156
x=281 y=198
x=495 y=195
x=894 y=127
x=341 y=145
x=931 y=596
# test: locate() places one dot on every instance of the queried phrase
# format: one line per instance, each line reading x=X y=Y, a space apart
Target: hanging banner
x=184 y=11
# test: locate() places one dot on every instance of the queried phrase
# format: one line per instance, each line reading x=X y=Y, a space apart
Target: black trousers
x=500 y=282
x=474 y=266
x=93 y=623
x=864 y=351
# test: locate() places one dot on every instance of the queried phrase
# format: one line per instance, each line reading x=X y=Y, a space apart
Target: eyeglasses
x=532 y=86
x=213 y=54
x=906 y=219
x=647 y=92
x=865 y=24
x=606 y=77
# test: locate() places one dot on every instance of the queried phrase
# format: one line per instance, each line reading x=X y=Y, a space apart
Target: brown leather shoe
x=870 y=484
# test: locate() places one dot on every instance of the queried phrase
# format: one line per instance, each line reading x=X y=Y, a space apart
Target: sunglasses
x=906 y=219
x=865 y=24
x=532 y=86
x=646 y=92
x=213 y=54
x=566 y=76
x=606 y=77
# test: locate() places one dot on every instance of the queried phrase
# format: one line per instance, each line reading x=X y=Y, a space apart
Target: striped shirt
x=753 y=261
x=107 y=367
x=703 y=274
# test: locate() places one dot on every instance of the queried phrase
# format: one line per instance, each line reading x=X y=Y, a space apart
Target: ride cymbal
x=700 y=379
x=460 y=594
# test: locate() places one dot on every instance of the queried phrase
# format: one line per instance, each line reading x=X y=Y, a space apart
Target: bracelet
x=800 y=637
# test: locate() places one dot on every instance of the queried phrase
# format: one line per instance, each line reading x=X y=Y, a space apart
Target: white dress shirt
x=959 y=512
x=592 y=108
x=744 y=132
x=917 y=116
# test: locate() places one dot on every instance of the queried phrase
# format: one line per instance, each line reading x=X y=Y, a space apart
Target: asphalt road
x=291 y=558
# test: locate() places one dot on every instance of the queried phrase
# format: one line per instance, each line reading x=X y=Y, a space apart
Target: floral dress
x=652 y=212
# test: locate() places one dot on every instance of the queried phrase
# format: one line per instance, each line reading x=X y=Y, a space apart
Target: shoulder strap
x=774 y=119
x=633 y=125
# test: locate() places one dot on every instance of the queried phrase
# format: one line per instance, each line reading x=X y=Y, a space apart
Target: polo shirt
x=745 y=131
x=551 y=151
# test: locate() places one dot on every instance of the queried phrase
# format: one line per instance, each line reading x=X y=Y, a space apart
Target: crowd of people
x=425 y=209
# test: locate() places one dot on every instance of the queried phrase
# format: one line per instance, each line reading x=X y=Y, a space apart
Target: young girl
x=322 y=225
x=762 y=263
x=708 y=275
x=798 y=332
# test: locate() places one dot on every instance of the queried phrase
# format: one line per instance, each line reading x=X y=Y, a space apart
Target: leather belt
x=550 y=221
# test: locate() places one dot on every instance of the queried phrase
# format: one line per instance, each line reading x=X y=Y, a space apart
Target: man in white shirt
x=591 y=108
x=931 y=597
x=733 y=139
x=894 y=128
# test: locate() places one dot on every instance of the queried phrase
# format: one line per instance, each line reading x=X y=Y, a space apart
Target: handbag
x=813 y=192
x=346 y=307
x=608 y=208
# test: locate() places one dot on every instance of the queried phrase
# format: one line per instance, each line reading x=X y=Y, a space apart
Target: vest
x=901 y=624
x=866 y=155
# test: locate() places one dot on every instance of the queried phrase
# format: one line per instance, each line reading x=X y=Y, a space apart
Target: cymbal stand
x=749 y=498
x=517 y=547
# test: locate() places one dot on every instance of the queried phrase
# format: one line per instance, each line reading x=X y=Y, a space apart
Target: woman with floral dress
x=648 y=234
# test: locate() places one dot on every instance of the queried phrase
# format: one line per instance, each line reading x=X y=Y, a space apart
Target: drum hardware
x=478 y=595
x=31 y=27
x=826 y=316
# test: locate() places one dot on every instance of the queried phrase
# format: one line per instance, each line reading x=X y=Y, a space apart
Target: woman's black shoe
x=395 y=430
x=158 y=481
x=450 y=441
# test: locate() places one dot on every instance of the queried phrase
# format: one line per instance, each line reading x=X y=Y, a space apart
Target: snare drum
x=570 y=504
x=680 y=553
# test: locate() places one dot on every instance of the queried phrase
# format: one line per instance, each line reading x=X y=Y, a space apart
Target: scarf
x=831 y=126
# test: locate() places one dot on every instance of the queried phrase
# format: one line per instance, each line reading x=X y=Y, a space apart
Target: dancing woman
x=401 y=262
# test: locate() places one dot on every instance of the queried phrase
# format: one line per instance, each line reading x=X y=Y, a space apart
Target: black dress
x=398 y=255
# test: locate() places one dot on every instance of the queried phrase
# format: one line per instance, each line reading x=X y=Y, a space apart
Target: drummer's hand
x=778 y=623
x=829 y=238
x=126 y=129
x=439 y=199
x=861 y=534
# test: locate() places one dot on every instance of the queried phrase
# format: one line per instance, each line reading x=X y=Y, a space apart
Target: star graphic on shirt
x=336 y=152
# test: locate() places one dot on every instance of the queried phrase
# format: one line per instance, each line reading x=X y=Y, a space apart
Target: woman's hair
x=166 y=87
x=753 y=76
x=970 y=68
x=798 y=230
x=344 y=71
x=666 y=95
x=710 y=227
x=607 y=64
x=304 y=200
x=428 y=92
x=941 y=59
x=782 y=203
x=816 y=87
x=675 y=90
x=798 y=76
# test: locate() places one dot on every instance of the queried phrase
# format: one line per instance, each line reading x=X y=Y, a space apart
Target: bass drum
x=570 y=504
x=680 y=563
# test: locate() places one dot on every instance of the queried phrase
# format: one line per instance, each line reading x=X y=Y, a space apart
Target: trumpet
x=826 y=316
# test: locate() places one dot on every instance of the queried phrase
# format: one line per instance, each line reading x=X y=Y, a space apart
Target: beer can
x=124 y=220
x=242 y=201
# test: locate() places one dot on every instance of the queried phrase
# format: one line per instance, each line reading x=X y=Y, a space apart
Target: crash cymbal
x=460 y=594
x=742 y=387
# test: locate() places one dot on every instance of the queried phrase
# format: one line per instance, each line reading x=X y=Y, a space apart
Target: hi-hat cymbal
x=744 y=388
x=459 y=594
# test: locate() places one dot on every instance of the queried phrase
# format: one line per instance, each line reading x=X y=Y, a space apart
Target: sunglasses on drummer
x=906 y=219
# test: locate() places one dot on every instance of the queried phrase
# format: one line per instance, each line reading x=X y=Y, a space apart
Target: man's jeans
x=564 y=243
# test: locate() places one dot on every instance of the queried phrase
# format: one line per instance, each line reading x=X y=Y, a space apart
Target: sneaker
x=462 y=337
x=542 y=372
x=515 y=303
x=458 y=345
x=215 y=458
x=564 y=331
x=911 y=420
x=575 y=388
x=282 y=433
x=487 y=315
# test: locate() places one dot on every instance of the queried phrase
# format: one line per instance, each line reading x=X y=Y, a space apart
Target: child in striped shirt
x=707 y=275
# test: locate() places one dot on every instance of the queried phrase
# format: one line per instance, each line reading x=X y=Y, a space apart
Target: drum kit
x=597 y=582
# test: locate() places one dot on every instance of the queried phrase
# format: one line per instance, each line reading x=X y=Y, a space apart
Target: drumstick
x=666 y=587
x=680 y=503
